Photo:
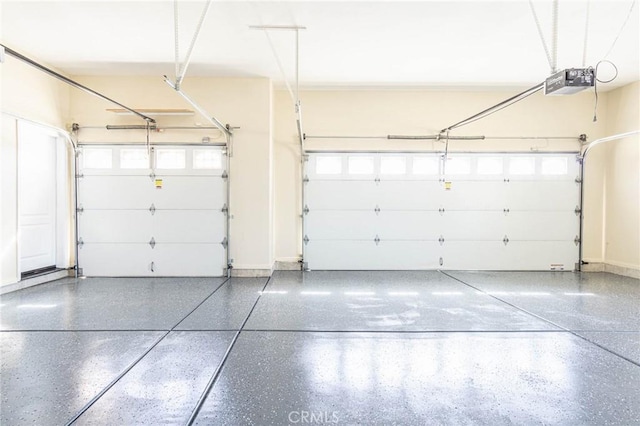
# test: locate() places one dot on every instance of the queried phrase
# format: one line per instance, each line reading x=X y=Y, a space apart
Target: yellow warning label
x=158 y=183
x=447 y=186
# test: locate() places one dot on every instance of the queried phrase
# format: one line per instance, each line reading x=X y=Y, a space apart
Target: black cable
x=597 y=80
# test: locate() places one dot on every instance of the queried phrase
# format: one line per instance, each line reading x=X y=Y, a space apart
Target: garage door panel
x=188 y=260
x=191 y=226
x=409 y=225
x=365 y=255
x=542 y=255
x=474 y=255
x=115 y=226
x=341 y=225
x=408 y=195
x=115 y=192
x=480 y=195
x=542 y=225
x=472 y=225
x=115 y=260
x=543 y=195
x=340 y=195
x=190 y=192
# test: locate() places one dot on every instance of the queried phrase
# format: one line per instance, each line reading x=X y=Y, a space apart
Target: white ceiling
x=467 y=44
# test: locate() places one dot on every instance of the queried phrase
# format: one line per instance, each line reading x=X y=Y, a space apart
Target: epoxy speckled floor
x=370 y=348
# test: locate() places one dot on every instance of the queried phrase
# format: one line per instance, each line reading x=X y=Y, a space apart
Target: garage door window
x=134 y=158
x=458 y=166
x=522 y=166
x=97 y=158
x=360 y=165
x=328 y=165
x=207 y=159
x=489 y=166
x=171 y=159
x=554 y=166
x=426 y=165
x=393 y=165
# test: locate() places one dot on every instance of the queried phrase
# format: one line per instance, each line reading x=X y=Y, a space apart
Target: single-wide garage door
x=490 y=211
x=139 y=220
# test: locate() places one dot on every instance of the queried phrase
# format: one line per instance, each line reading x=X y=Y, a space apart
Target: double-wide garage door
x=152 y=212
x=424 y=211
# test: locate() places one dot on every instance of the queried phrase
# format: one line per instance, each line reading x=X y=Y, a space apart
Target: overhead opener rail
x=71 y=82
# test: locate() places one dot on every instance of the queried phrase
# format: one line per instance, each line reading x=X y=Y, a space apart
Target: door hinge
x=505 y=211
x=506 y=180
x=376 y=240
x=152 y=243
x=225 y=209
x=225 y=242
x=505 y=240
x=80 y=209
x=224 y=175
x=578 y=179
x=377 y=180
x=441 y=240
x=306 y=240
x=576 y=240
x=305 y=179
x=80 y=243
x=305 y=210
x=152 y=176
x=79 y=175
x=377 y=209
x=152 y=209
x=305 y=157
x=441 y=211
x=577 y=210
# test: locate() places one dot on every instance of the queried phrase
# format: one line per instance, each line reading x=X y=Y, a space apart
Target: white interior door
x=422 y=211
x=37 y=158
x=165 y=221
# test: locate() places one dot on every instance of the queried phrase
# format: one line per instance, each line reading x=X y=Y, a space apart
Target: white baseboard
x=251 y=273
x=287 y=265
x=626 y=271
x=41 y=279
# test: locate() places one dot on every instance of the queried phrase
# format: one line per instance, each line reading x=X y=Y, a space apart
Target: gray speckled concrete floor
x=324 y=347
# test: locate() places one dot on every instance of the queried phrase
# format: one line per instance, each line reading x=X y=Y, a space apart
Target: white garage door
x=417 y=211
x=138 y=221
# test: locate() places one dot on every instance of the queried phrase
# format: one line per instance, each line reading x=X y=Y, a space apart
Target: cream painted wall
x=622 y=180
x=31 y=94
x=383 y=112
x=241 y=102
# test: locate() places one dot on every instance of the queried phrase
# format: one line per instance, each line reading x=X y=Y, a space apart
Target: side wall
x=33 y=95
x=622 y=183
